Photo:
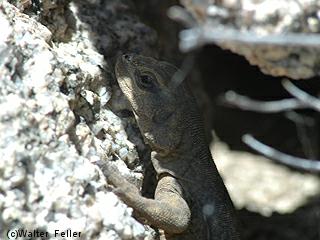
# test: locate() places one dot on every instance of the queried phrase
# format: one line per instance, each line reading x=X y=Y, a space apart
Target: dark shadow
x=302 y=224
x=115 y=28
x=222 y=71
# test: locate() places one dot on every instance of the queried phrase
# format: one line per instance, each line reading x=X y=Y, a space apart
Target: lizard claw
x=103 y=165
x=111 y=173
x=114 y=177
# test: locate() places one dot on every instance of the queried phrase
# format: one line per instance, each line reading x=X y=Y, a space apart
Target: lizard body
x=191 y=201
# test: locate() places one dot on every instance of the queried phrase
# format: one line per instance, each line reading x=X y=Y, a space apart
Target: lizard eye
x=147 y=81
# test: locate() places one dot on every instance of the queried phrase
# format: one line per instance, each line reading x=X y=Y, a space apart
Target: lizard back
x=212 y=211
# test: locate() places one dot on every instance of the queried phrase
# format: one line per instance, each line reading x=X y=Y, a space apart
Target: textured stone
x=259 y=185
x=54 y=120
x=272 y=34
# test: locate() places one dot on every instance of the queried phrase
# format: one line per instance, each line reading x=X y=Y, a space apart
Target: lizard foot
x=123 y=187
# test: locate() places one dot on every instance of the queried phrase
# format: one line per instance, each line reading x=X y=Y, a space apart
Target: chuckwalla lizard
x=191 y=201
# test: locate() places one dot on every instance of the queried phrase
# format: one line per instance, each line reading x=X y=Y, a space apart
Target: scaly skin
x=191 y=201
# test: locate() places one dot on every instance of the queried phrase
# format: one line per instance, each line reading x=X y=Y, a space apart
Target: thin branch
x=303 y=123
x=198 y=36
x=296 y=162
x=300 y=119
x=301 y=95
x=181 y=74
x=181 y=15
x=233 y=99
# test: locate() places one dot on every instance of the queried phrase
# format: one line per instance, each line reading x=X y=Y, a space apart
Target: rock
x=280 y=37
x=256 y=183
x=56 y=82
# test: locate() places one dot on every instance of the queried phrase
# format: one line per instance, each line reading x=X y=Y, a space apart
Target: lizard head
x=155 y=102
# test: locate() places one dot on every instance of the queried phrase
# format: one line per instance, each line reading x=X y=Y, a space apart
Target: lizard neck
x=192 y=150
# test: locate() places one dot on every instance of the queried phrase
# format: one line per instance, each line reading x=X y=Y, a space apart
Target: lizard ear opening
x=160 y=117
x=160 y=137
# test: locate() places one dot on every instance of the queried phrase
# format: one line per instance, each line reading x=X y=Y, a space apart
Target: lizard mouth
x=121 y=67
x=122 y=71
x=125 y=59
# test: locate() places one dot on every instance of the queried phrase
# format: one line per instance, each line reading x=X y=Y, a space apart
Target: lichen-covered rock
x=280 y=36
x=54 y=123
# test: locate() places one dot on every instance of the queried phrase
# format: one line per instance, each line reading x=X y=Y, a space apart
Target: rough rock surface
x=58 y=101
x=254 y=29
x=259 y=185
x=55 y=119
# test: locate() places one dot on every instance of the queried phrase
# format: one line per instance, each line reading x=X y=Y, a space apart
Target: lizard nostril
x=127 y=57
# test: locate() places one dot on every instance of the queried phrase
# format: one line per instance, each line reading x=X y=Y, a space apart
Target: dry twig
x=302 y=96
x=231 y=98
x=296 y=162
x=301 y=100
x=198 y=36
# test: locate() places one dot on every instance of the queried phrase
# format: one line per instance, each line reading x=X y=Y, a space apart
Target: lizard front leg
x=168 y=211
